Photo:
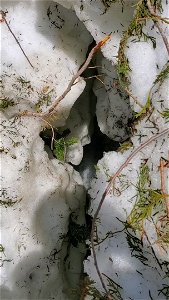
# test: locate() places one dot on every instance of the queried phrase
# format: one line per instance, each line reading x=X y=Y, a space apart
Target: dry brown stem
x=52 y=108
x=3 y=19
x=163 y=165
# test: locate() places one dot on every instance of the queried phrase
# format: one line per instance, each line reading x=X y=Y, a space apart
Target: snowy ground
x=43 y=225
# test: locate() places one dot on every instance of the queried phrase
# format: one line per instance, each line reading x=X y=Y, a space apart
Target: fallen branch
x=107 y=191
x=3 y=19
x=51 y=110
x=164 y=192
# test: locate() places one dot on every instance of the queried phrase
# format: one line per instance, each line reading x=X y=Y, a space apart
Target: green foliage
x=125 y=146
x=5 y=102
x=61 y=145
x=135 y=30
x=145 y=109
x=23 y=81
x=163 y=75
x=157 y=4
x=71 y=141
x=114 y=288
x=88 y=288
x=44 y=99
x=147 y=200
x=165 y=114
x=2 y=249
x=136 y=247
x=59 y=149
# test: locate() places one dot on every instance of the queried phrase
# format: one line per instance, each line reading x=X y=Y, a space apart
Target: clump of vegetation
x=163 y=75
x=61 y=145
x=5 y=102
x=114 y=288
x=165 y=114
x=43 y=100
x=23 y=82
x=145 y=108
x=136 y=247
x=147 y=200
x=87 y=288
x=125 y=146
x=135 y=30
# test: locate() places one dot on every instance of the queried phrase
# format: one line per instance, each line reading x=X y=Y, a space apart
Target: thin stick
x=164 y=193
x=75 y=77
x=108 y=189
x=133 y=97
x=157 y=24
x=4 y=19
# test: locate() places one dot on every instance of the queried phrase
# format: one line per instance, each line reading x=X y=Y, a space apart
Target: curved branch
x=107 y=191
x=71 y=83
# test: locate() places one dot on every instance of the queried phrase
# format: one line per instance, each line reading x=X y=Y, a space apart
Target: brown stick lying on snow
x=3 y=19
x=52 y=108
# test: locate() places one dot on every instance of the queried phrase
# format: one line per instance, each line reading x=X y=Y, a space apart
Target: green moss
x=165 y=114
x=125 y=146
x=145 y=109
x=5 y=102
x=61 y=145
x=71 y=141
x=43 y=100
x=59 y=149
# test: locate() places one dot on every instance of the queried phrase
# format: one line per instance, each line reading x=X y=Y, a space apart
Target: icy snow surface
x=40 y=193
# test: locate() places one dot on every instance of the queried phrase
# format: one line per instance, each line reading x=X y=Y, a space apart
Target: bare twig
x=3 y=19
x=107 y=191
x=164 y=193
x=71 y=83
x=133 y=97
x=157 y=24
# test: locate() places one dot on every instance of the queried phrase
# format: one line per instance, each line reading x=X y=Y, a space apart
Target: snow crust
x=38 y=196
x=40 y=193
x=115 y=256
